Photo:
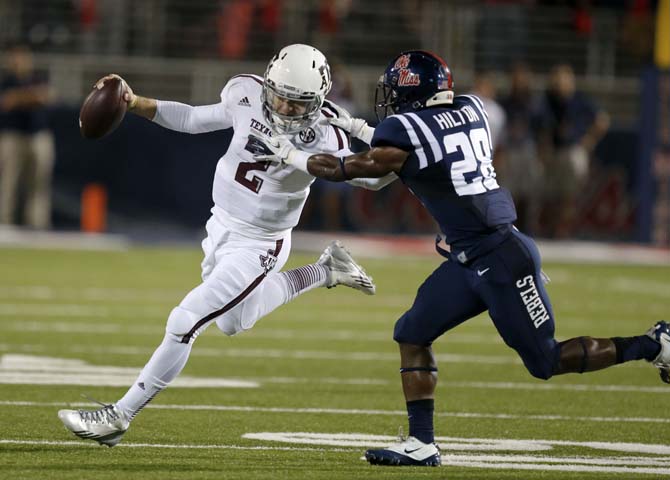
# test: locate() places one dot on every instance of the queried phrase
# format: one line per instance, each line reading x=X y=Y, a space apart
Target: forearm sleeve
x=186 y=118
x=373 y=183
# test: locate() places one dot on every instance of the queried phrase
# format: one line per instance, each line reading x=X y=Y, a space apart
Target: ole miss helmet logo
x=408 y=79
x=402 y=61
x=405 y=77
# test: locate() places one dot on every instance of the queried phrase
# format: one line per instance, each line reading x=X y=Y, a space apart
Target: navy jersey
x=450 y=170
x=24 y=119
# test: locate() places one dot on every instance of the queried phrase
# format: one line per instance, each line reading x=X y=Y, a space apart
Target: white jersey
x=260 y=199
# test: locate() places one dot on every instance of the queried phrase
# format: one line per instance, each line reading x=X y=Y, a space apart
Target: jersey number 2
x=253 y=184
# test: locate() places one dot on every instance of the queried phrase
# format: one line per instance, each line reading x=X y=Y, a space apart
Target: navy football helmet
x=413 y=80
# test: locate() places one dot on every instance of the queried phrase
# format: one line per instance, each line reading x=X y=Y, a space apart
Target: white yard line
x=646 y=461
x=629 y=464
x=464 y=462
x=117 y=295
x=68 y=310
x=343 y=411
x=357 y=356
x=272 y=353
x=560 y=386
x=52 y=310
x=103 y=294
x=158 y=445
x=462 y=444
x=260 y=332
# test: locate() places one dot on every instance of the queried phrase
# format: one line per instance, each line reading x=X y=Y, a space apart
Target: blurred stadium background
x=80 y=321
x=157 y=183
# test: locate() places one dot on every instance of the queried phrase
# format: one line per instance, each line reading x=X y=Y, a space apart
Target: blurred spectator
x=103 y=25
x=570 y=127
x=333 y=195
x=517 y=162
x=243 y=20
x=637 y=30
x=331 y=13
x=485 y=88
x=582 y=18
x=234 y=25
x=342 y=91
x=502 y=33
x=45 y=24
x=26 y=143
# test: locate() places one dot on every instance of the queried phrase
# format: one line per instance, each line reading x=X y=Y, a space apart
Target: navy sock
x=635 y=348
x=420 y=415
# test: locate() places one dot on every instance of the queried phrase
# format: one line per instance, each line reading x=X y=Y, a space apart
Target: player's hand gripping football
x=128 y=94
x=356 y=127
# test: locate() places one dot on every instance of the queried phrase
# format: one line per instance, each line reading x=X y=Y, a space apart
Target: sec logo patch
x=308 y=135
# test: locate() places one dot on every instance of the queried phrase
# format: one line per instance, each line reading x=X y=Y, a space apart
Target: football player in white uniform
x=256 y=205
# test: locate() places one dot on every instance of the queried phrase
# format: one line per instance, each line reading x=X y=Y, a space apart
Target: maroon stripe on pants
x=187 y=338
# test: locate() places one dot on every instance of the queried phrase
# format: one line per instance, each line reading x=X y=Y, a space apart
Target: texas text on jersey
x=450 y=170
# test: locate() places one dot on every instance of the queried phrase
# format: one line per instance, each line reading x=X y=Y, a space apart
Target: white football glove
x=283 y=151
x=356 y=127
x=279 y=145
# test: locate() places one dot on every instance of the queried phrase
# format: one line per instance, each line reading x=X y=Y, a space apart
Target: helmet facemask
x=289 y=112
x=386 y=98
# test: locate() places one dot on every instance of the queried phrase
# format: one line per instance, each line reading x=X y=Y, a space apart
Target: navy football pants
x=507 y=282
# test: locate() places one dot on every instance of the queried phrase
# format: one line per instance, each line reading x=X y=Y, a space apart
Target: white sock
x=165 y=364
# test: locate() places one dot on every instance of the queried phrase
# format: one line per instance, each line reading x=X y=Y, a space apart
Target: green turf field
x=324 y=380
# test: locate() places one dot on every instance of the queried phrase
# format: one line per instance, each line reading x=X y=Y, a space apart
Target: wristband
x=298 y=159
x=344 y=173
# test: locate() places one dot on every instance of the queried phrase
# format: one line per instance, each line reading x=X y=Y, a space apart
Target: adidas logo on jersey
x=244 y=102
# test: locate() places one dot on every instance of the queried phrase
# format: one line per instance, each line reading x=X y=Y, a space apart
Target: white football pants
x=241 y=283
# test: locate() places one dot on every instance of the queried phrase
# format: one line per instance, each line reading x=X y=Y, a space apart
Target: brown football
x=103 y=109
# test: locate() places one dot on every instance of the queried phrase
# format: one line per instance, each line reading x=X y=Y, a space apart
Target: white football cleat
x=105 y=425
x=409 y=452
x=343 y=269
x=660 y=333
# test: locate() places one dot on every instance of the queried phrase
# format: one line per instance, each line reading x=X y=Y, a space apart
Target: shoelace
x=102 y=415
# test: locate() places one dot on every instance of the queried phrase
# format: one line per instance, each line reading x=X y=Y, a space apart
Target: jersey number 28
x=472 y=171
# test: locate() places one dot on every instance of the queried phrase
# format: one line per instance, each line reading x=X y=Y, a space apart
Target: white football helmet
x=295 y=85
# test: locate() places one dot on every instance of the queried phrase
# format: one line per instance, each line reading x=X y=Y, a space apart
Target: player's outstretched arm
x=374 y=163
x=174 y=115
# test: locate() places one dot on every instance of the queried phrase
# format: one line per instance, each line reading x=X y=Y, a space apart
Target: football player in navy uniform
x=439 y=145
